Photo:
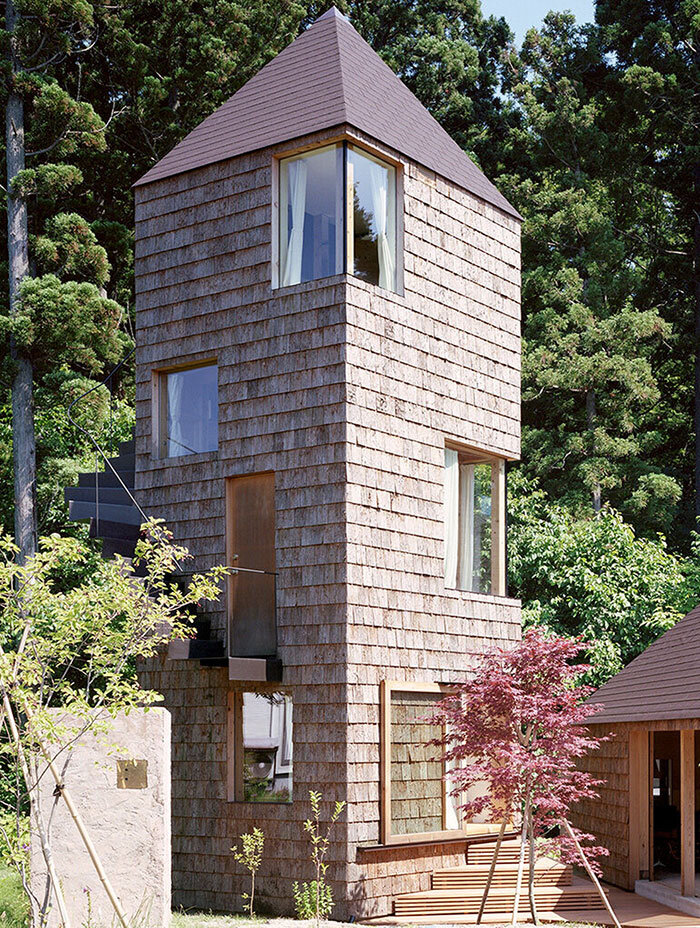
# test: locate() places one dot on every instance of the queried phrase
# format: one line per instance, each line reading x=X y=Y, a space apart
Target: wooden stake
x=492 y=870
x=45 y=846
x=521 y=867
x=589 y=870
x=531 y=874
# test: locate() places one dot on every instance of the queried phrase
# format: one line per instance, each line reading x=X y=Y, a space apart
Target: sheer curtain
x=451 y=516
x=466 y=526
x=379 y=186
x=295 y=246
x=176 y=441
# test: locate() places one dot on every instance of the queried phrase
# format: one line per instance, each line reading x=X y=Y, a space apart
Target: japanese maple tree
x=517 y=728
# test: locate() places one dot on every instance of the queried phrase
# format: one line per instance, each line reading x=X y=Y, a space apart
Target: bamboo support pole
x=492 y=870
x=589 y=870
x=45 y=847
x=521 y=867
x=531 y=872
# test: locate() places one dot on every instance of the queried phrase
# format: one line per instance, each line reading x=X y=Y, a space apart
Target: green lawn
x=13 y=906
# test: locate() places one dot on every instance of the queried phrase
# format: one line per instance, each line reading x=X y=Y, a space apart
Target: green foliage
x=312 y=899
x=590 y=388
x=14 y=912
x=317 y=894
x=578 y=574
x=250 y=855
x=66 y=322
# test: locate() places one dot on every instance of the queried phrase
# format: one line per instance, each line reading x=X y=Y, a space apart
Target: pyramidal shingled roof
x=662 y=683
x=329 y=76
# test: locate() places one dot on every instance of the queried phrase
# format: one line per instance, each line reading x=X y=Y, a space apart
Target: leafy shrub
x=311 y=899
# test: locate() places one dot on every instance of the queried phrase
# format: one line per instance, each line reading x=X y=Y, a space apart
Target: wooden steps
x=458 y=891
x=547 y=873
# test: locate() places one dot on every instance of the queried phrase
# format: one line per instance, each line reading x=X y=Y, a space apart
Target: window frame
x=159 y=407
x=344 y=236
x=386 y=689
x=470 y=455
x=235 y=750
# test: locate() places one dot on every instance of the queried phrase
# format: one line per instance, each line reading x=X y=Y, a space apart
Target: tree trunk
x=591 y=416
x=696 y=312
x=23 y=437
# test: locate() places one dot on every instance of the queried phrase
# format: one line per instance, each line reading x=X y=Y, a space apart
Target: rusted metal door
x=251 y=547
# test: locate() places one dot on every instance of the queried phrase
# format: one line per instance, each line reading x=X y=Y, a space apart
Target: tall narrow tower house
x=328 y=393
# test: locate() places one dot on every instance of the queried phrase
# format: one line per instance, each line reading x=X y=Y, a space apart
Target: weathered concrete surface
x=130 y=827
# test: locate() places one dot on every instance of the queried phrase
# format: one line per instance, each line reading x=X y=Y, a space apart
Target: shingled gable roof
x=662 y=683
x=329 y=76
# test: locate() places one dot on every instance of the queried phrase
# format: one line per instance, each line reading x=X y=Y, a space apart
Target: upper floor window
x=474 y=522
x=189 y=411
x=337 y=214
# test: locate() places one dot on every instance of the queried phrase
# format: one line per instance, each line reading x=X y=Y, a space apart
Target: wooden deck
x=632 y=910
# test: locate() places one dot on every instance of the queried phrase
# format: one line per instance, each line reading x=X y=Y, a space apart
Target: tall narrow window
x=372 y=246
x=337 y=214
x=474 y=522
x=260 y=747
x=189 y=411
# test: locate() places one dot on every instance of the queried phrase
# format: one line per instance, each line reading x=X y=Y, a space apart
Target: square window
x=337 y=215
x=189 y=411
x=474 y=522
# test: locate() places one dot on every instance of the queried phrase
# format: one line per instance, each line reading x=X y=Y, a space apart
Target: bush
x=306 y=896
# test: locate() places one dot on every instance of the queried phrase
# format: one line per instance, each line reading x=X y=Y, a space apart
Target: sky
x=521 y=14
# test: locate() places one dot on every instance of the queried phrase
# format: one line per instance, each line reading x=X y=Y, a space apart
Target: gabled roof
x=329 y=76
x=662 y=683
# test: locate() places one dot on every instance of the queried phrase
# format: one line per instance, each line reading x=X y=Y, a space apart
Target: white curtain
x=176 y=439
x=466 y=527
x=297 y=172
x=451 y=503
x=379 y=185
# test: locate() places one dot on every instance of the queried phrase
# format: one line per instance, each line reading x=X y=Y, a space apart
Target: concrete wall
x=348 y=393
x=130 y=827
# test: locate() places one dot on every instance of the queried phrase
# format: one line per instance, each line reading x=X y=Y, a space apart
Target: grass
x=13 y=905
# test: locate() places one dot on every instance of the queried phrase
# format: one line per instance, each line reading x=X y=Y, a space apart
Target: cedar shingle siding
x=348 y=393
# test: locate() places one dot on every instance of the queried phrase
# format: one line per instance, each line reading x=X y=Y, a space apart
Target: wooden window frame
x=159 y=405
x=498 y=514
x=235 y=786
x=344 y=208
x=469 y=829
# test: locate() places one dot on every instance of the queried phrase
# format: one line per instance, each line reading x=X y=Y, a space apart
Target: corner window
x=188 y=411
x=260 y=752
x=474 y=522
x=337 y=214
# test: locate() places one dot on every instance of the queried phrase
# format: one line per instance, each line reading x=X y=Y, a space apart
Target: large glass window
x=337 y=213
x=474 y=522
x=189 y=411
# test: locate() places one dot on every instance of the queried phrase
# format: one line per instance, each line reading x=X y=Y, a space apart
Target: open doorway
x=666 y=804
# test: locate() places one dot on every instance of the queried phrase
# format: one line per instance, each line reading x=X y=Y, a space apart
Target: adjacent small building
x=649 y=805
x=327 y=395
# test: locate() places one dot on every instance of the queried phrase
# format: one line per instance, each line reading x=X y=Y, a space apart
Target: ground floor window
x=416 y=802
x=260 y=746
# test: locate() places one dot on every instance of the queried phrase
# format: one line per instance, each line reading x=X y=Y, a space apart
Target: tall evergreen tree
x=57 y=310
x=654 y=49
x=590 y=388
